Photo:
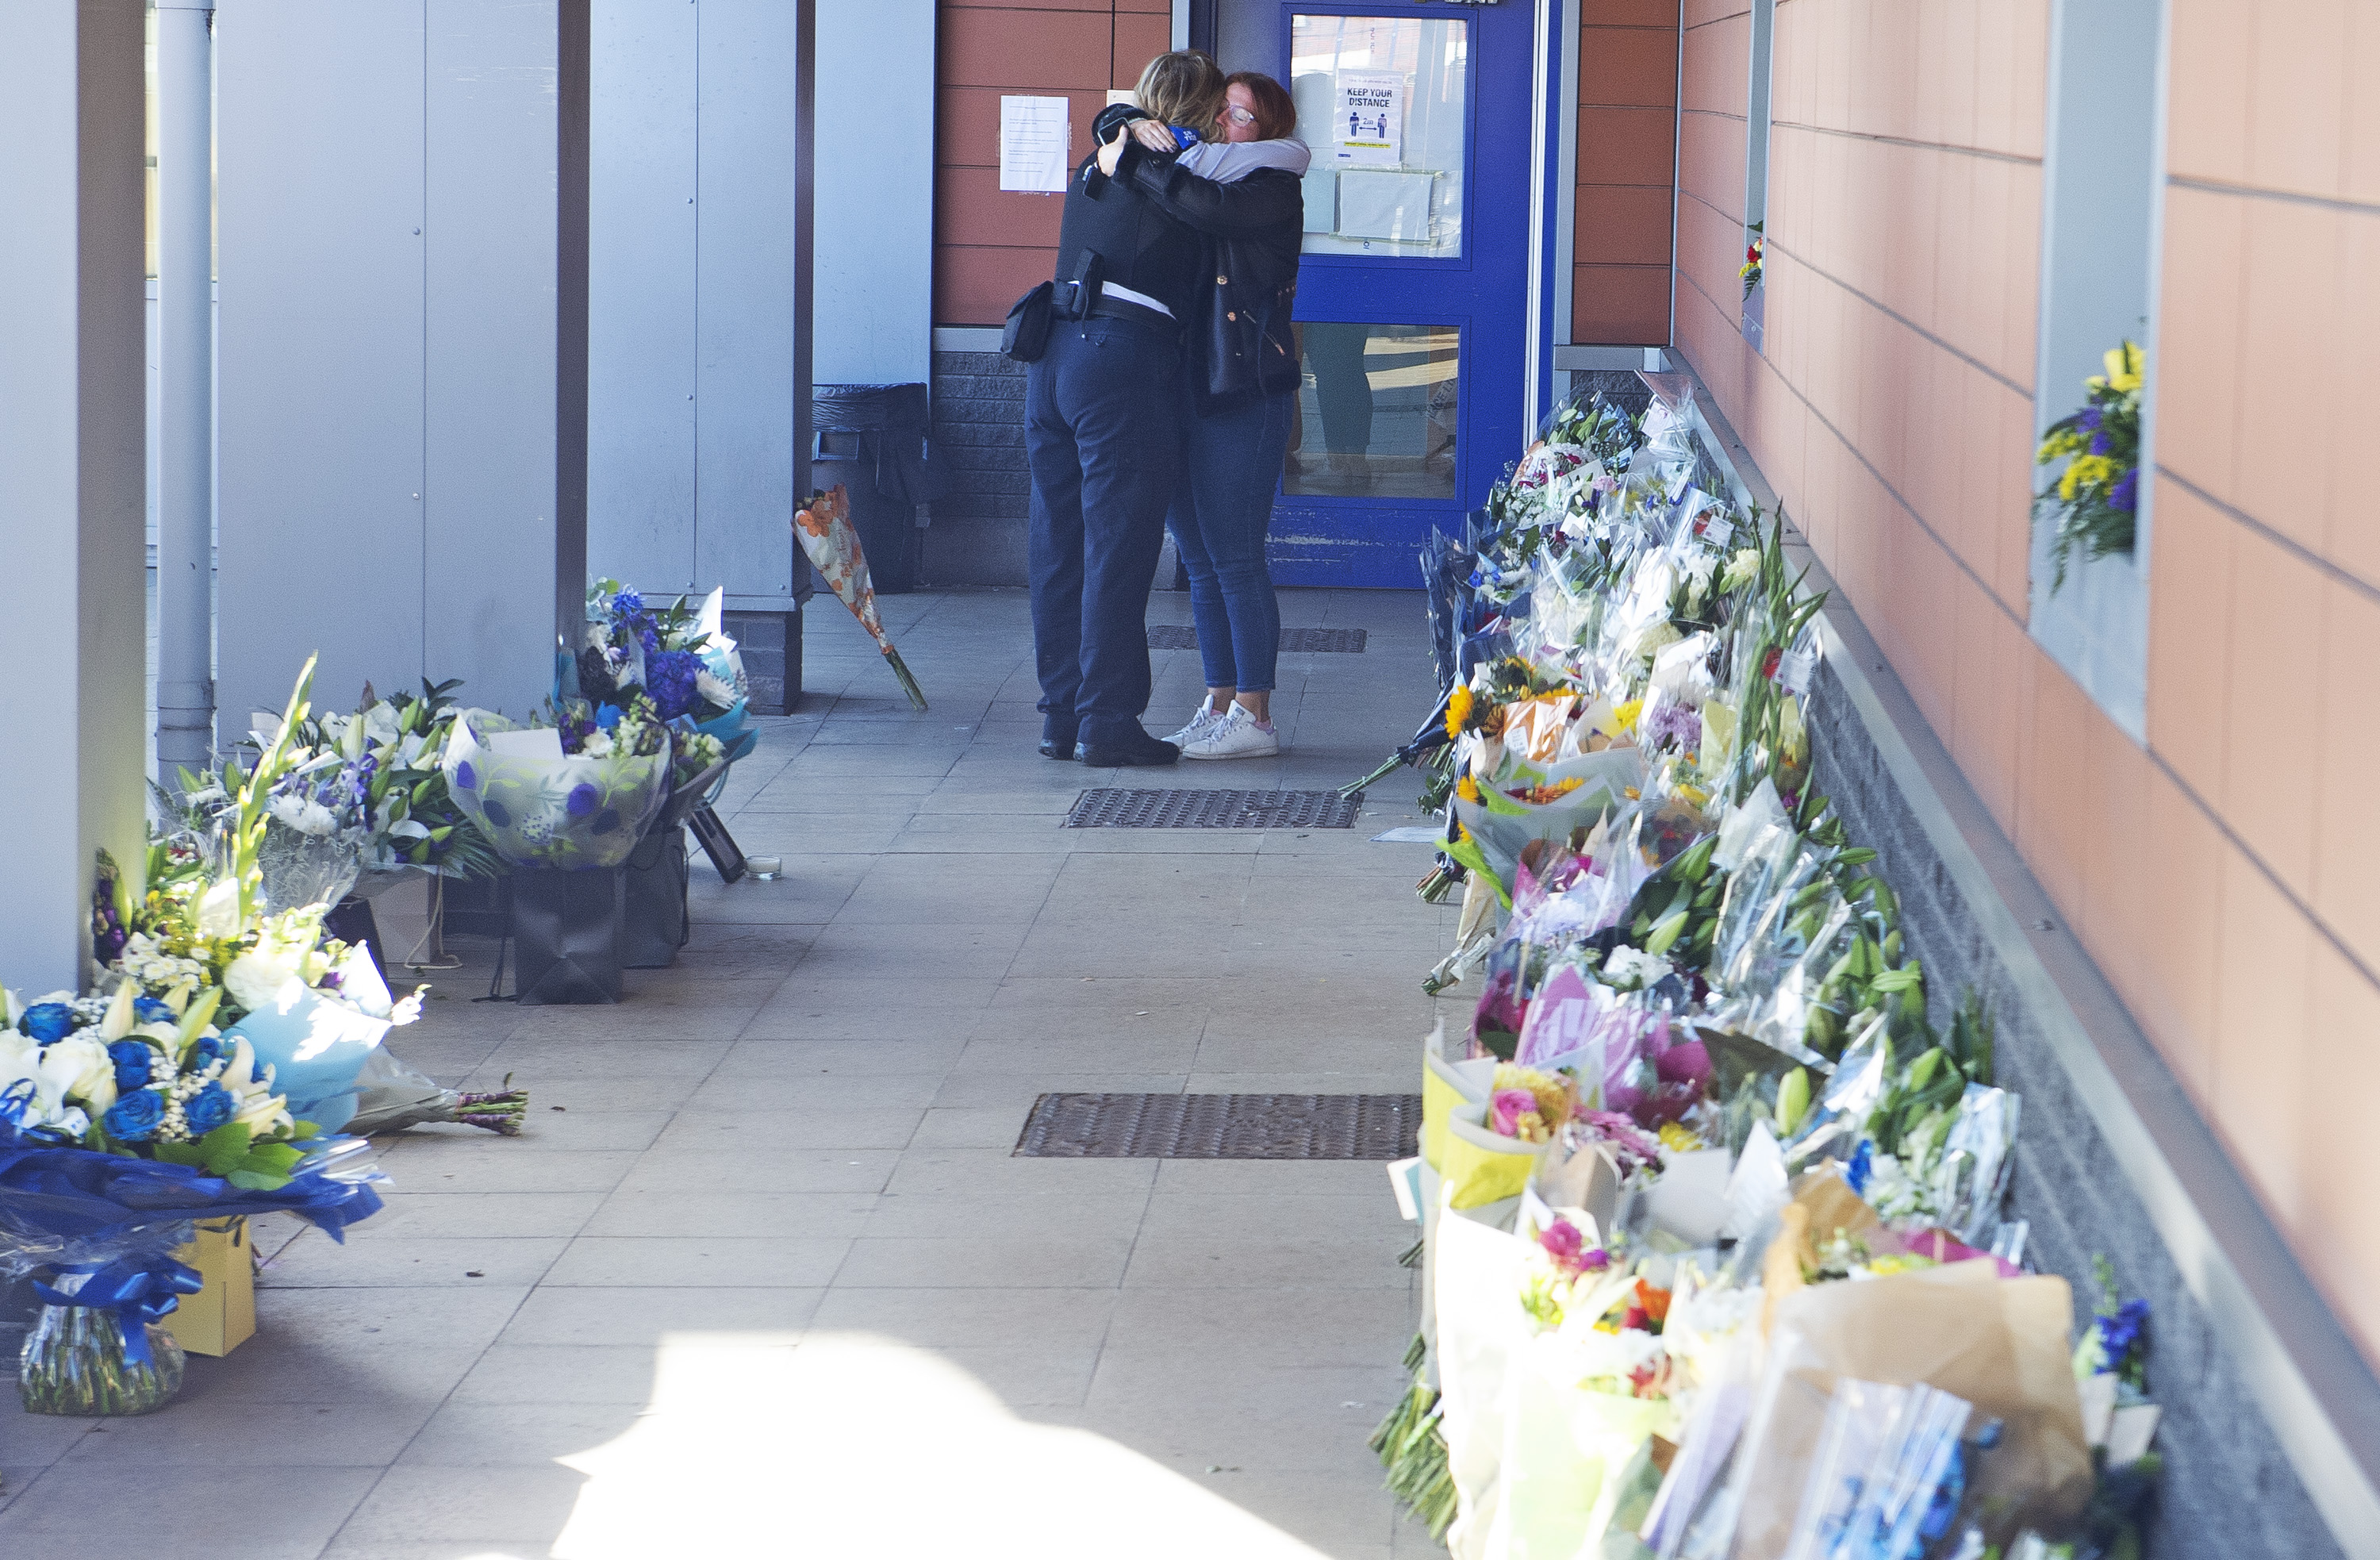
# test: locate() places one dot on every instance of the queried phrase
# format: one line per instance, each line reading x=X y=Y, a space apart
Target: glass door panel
x=1384 y=103
x=1377 y=411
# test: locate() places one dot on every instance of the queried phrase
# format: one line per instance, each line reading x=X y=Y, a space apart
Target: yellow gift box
x=222 y=1316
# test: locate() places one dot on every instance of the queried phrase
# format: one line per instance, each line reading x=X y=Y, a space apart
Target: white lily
x=78 y=1067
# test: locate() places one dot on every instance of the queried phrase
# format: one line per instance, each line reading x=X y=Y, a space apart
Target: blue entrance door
x=1413 y=289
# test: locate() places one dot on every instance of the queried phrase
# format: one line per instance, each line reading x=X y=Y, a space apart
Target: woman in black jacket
x=1243 y=193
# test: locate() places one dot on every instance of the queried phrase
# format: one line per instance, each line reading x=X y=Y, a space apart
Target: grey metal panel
x=71 y=472
x=641 y=283
x=744 y=271
x=875 y=200
x=319 y=135
x=490 y=84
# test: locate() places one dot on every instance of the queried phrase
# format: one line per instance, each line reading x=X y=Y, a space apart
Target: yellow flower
x=1553 y=1093
x=2123 y=365
x=1458 y=711
x=1624 y=716
x=1467 y=788
x=1677 y=1139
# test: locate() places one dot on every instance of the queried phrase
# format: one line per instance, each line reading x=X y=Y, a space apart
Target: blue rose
x=46 y=1021
x=583 y=798
x=134 y=1118
x=132 y=1059
x=607 y=717
x=149 y=1010
x=208 y=1049
x=212 y=1107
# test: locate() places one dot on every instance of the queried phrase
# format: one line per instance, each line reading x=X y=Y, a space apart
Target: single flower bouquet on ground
x=823 y=527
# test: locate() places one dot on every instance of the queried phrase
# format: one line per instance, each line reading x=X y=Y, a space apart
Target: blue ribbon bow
x=138 y=1292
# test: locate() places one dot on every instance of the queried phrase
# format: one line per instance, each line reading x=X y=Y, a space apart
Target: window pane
x=1382 y=101
x=1376 y=411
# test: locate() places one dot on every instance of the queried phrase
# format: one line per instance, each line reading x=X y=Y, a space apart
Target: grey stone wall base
x=772 y=646
x=978 y=535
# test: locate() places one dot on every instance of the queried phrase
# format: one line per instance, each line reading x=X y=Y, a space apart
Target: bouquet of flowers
x=185 y=1130
x=573 y=795
x=2096 y=499
x=679 y=658
x=823 y=527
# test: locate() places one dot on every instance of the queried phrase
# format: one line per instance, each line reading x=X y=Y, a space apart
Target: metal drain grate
x=1333 y=641
x=1220 y=1126
x=1131 y=809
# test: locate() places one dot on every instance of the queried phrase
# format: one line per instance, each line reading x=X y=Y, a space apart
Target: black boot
x=1135 y=748
x=1057 y=739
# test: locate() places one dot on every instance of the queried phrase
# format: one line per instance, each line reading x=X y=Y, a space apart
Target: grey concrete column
x=186 y=373
x=71 y=474
x=402 y=259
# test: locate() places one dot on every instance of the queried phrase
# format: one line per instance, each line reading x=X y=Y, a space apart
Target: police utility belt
x=1026 y=334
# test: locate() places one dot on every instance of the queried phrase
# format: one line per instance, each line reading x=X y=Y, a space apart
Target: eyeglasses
x=1239 y=116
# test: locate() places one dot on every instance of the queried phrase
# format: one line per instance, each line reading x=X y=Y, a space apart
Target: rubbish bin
x=872 y=439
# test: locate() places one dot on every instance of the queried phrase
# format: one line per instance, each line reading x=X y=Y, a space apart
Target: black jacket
x=1139 y=245
x=1238 y=321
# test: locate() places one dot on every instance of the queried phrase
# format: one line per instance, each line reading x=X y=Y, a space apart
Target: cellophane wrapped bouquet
x=576 y=794
x=196 y=1080
x=680 y=658
x=1707 y=1143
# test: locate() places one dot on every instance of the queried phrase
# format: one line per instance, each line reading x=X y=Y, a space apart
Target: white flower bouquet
x=573 y=797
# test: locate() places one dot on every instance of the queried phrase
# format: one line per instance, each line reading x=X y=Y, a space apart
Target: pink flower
x=1562 y=1241
x=1508 y=1106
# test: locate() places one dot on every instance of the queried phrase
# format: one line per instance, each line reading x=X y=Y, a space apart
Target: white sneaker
x=1236 y=735
x=1205 y=720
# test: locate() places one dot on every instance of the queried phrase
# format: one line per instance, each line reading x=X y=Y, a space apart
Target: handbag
x=1026 y=332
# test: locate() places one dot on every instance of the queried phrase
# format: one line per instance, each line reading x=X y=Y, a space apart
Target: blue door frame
x=1326 y=540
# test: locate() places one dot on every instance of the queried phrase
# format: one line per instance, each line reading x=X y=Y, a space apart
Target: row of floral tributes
x=226 y=1037
x=1715 y=1254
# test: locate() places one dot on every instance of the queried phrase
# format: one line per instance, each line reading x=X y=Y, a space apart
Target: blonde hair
x=1183 y=88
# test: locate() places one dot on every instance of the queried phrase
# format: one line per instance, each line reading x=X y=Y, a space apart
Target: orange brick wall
x=989 y=245
x=1627 y=138
x=2227 y=877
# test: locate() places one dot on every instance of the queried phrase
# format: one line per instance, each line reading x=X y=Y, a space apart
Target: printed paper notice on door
x=1369 y=127
x=1033 y=136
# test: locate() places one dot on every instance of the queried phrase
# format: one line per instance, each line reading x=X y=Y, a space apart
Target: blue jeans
x=1222 y=507
x=1101 y=441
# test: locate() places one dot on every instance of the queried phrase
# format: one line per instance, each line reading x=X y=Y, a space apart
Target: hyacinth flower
x=824 y=526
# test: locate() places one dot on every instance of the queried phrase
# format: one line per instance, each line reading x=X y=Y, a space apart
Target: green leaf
x=182 y=1153
x=279 y=1158
x=303 y=1131
x=225 y=1147
x=254 y=1180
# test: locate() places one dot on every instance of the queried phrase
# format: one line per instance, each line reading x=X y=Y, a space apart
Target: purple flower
x=628 y=603
x=2089 y=419
x=670 y=676
x=582 y=799
x=2100 y=442
x=2119 y=1334
x=2126 y=494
